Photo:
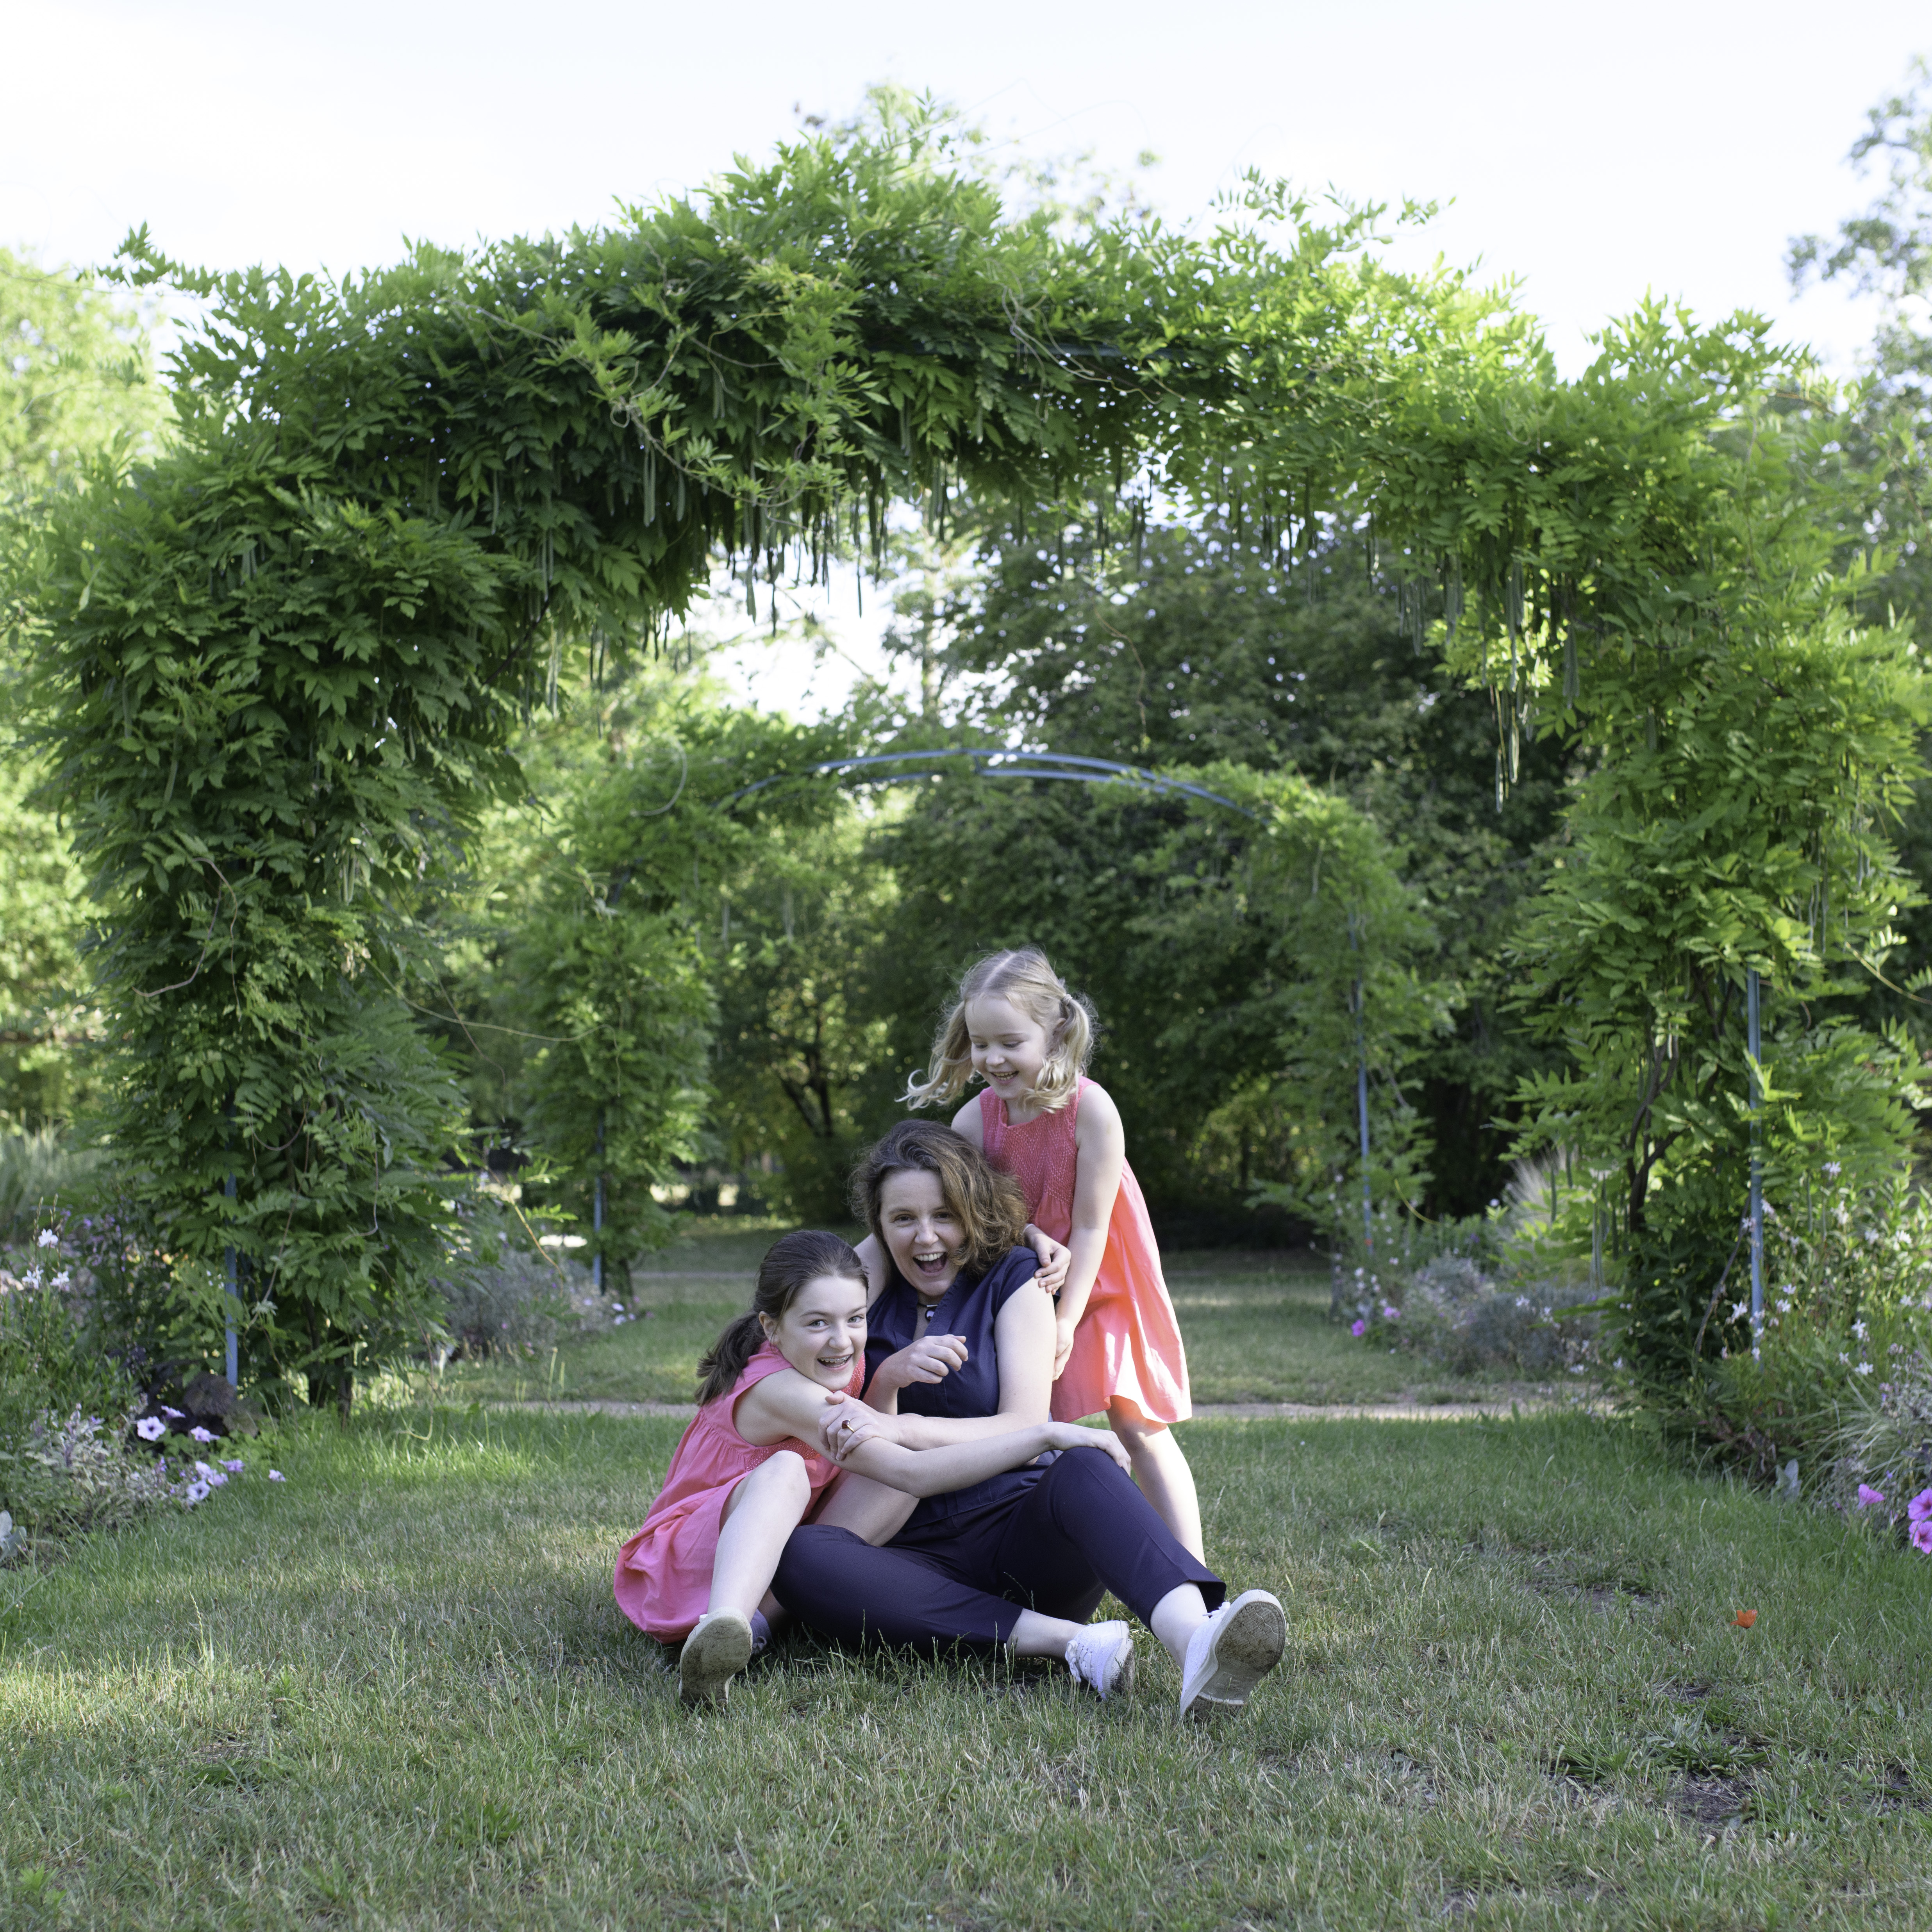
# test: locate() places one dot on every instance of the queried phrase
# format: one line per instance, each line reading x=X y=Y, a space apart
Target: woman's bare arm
x=1022 y=1340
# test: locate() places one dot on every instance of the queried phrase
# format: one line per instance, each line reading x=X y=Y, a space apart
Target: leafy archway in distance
x=282 y=663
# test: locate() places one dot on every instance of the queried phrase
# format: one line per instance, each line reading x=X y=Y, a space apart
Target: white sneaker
x=1230 y=1654
x=717 y=1649
x=1101 y=1657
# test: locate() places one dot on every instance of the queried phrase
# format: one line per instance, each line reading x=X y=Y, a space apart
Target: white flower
x=1784 y=1306
x=1842 y=1357
x=1618 y=1362
x=1576 y=1368
x=200 y=1434
x=1739 y=1309
x=46 y=1238
x=61 y=1279
x=276 y=1476
x=1831 y=1167
x=1858 y=1330
x=195 y=1493
x=150 y=1428
x=1864 y=1369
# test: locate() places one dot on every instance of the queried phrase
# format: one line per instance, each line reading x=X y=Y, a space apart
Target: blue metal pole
x=1753 y=1045
x=597 y=1215
x=234 y=1295
x=1362 y=1100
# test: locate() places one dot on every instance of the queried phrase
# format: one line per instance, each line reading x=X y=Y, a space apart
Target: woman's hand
x=1074 y=1435
x=847 y=1422
x=1063 y=1344
x=931 y=1359
x=1053 y=1259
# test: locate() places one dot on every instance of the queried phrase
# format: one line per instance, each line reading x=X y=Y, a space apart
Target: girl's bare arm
x=1100 y=1145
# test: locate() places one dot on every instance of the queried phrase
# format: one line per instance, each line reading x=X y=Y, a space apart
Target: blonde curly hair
x=1024 y=978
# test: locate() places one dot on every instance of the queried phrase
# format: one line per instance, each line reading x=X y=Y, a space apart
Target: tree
x=1190 y=644
x=76 y=389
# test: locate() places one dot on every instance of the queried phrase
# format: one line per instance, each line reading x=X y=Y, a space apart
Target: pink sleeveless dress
x=664 y=1572
x=1127 y=1346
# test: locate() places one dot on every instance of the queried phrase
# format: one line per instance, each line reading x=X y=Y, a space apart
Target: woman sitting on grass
x=743 y=1477
x=957 y=1354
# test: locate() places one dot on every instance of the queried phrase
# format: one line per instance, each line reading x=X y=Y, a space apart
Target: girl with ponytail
x=743 y=1478
x=1015 y=1027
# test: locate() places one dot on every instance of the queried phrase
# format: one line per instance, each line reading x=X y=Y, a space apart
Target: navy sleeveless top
x=969 y=1308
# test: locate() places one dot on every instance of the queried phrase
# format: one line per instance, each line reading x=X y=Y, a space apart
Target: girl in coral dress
x=1017 y=1028
x=744 y=1477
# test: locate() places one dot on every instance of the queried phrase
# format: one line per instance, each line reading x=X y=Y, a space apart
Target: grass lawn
x=394 y=1691
x=1257 y=1328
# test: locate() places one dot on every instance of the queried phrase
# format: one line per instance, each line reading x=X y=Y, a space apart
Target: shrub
x=503 y=1295
x=64 y=1476
x=1848 y=1292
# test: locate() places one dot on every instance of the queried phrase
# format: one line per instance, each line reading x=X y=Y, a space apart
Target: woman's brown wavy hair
x=991 y=1209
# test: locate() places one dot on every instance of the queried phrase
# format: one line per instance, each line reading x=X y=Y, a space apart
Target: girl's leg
x=1162 y=1472
x=763 y=1510
x=870 y=1510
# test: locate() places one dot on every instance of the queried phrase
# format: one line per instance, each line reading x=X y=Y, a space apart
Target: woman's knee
x=811 y=1563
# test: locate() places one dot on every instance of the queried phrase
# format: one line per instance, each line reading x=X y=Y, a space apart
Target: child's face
x=822 y=1334
x=923 y=1234
x=1009 y=1046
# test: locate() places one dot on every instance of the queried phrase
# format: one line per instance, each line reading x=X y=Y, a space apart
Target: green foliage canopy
x=284 y=662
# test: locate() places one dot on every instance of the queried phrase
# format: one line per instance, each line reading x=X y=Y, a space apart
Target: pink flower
x=276 y=1476
x=1358 y=1327
x=199 y=1434
x=1922 y=1537
x=1867 y=1495
x=1392 y=1314
x=1919 y=1509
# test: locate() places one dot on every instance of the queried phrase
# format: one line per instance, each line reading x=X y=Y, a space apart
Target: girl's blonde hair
x=1025 y=979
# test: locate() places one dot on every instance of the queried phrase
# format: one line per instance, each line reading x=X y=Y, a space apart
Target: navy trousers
x=1081 y=1530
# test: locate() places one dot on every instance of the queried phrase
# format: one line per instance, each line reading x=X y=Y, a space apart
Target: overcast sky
x=1593 y=152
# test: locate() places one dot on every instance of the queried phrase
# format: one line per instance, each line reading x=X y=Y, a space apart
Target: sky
x=1595 y=154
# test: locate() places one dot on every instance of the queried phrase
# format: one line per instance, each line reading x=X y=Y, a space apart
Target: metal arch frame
x=998 y=761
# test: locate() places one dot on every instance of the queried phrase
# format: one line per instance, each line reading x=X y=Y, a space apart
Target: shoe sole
x=1247 y=1649
x=712 y=1658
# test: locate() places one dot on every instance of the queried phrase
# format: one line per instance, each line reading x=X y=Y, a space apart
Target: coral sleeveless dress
x=663 y=1575
x=1128 y=1345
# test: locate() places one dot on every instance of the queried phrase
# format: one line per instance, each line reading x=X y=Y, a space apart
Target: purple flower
x=173 y=1414
x=1919 y=1509
x=1358 y=1327
x=1921 y=1538
x=199 y=1434
x=195 y=1493
x=1867 y=1495
x=276 y=1476
x=150 y=1428
x=235 y=1468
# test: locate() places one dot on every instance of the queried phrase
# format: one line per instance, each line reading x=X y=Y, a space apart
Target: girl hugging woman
x=744 y=1476
x=960 y=1351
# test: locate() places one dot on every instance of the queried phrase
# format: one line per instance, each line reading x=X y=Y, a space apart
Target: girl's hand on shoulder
x=1075 y=1435
x=1053 y=1259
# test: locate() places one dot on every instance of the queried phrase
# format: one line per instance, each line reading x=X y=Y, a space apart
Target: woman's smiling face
x=1009 y=1046
x=822 y=1334
x=922 y=1233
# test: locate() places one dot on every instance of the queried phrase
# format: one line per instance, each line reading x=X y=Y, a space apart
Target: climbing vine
x=282 y=663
